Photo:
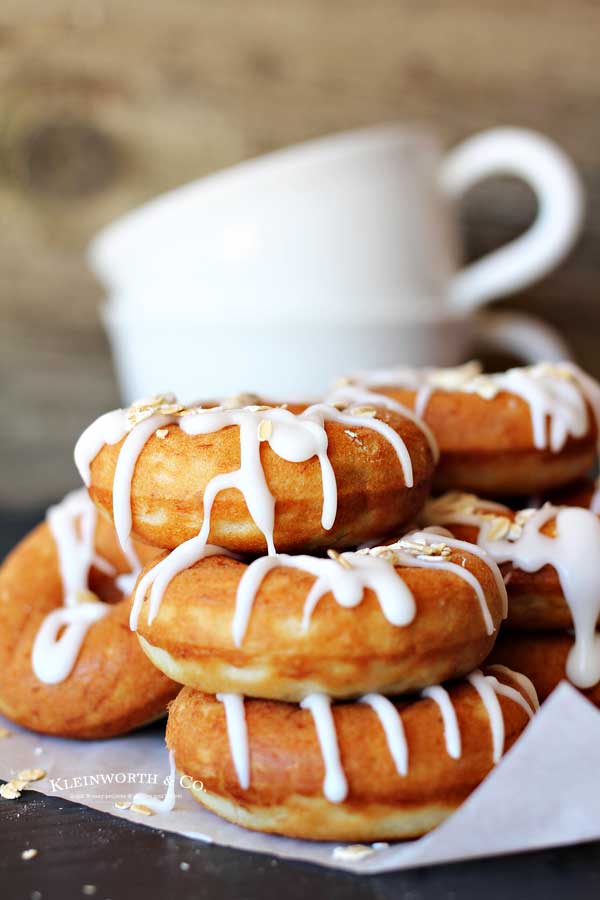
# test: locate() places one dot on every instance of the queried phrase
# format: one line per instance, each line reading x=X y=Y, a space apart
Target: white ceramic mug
x=338 y=254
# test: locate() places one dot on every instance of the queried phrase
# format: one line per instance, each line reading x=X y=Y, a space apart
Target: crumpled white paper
x=545 y=792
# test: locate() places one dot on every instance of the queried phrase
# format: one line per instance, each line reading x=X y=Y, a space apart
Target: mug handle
x=521 y=335
x=556 y=184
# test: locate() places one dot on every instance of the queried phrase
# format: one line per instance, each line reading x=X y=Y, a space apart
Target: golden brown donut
x=173 y=468
x=484 y=426
x=542 y=656
x=112 y=687
x=222 y=626
x=289 y=782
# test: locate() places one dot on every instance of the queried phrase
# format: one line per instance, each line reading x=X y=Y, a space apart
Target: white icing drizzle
x=373 y=568
x=335 y=786
x=347 y=585
x=451 y=732
x=72 y=524
x=161 y=574
x=490 y=701
x=237 y=732
x=557 y=394
x=167 y=804
x=132 y=447
x=53 y=657
x=427 y=537
x=391 y=723
x=346 y=577
x=573 y=552
x=488 y=687
x=351 y=394
x=110 y=428
x=295 y=438
x=522 y=680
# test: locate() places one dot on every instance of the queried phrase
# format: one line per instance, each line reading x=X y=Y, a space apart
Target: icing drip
x=573 y=552
x=335 y=786
x=349 y=574
x=557 y=394
x=350 y=394
x=108 y=429
x=72 y=524
x=238 y=736
x=160 y=575
x=132 y=447
x=53 y=657
x=167 y=804
x=346 y=579
x=488 y=687
x=490 y=701
x=394 y=730
x=451 y=733
x=523 y=682
x=427 y=538
x=552 y=399
x=345 y=576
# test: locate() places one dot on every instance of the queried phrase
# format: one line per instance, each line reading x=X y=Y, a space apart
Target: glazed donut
x=542 y=656
x=518 y=432
x=252 y=478
x=550 y=560
x=391 y=619
x=371 y=770
x=70 y=666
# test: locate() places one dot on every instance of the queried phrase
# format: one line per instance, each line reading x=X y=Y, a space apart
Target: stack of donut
x=529 y=435
x=334 y=627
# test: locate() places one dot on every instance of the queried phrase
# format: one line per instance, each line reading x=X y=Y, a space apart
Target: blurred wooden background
x=104 y=103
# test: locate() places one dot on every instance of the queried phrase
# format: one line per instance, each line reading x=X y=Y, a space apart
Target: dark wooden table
x=83 y=853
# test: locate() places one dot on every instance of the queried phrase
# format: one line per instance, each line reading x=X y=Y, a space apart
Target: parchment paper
x=545 y=792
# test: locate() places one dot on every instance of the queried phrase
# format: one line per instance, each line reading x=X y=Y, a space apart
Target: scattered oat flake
x=498 y=528
x=9 y=791
x=366 y=411
x=30 y=853
x=184 y=866
x=352 y=852
x=122 y=804
x=161 y=432
x=19 y=783
x=338 y=558
x=35 y=895
x=140 y=808
x=31 y=775
x=88 y=889
x=265 y=430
